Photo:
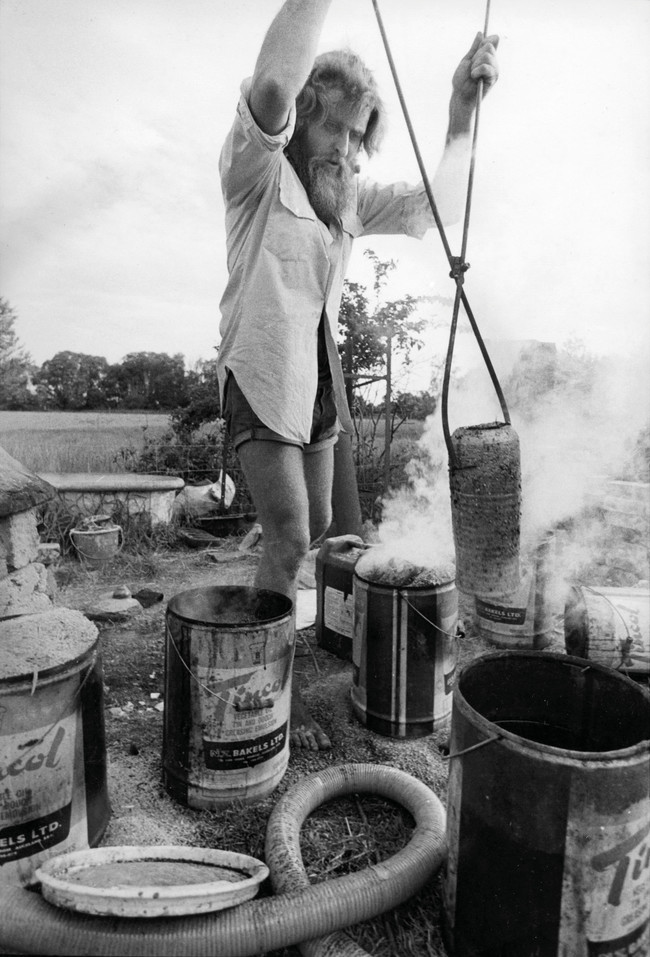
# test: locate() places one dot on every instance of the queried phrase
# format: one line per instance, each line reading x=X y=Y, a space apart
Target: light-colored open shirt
x=286 y=269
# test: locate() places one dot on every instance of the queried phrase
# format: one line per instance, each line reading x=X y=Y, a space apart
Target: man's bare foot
x=304 y=731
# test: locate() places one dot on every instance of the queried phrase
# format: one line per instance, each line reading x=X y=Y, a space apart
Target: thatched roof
x=20 y=489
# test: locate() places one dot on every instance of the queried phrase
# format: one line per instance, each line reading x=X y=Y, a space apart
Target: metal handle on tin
x=474 y=747
x=194 y=677
x=428 y=621
x=204 y=687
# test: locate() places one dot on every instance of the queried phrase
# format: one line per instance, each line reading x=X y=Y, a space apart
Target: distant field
x=91 y=441
x=75 y=441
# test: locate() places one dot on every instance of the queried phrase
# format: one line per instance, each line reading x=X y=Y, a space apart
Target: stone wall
x=27 y=584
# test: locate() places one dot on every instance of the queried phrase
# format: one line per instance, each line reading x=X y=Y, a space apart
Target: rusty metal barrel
x=548 y=810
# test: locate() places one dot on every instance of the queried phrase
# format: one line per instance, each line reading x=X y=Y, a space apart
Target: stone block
x=48 y=553
x=26 y=591
x=19 y=539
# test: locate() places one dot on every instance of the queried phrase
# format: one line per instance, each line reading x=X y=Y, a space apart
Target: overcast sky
x=113 y=112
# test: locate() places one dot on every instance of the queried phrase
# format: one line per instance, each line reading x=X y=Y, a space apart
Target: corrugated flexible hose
x=302 y=913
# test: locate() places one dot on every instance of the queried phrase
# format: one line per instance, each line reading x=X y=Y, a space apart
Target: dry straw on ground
x=339 y=837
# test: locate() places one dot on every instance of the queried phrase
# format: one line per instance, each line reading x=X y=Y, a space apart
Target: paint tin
x=335 y=563
x=53 y=794
x=228 y=662
x=523 y=618
x=404 y=656
x=610 y=626
x=548 y=810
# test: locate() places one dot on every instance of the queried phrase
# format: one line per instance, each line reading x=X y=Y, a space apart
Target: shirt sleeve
x=249 y=155
x=394 y=209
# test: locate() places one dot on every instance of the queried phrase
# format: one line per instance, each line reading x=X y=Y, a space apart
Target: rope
x=457 y=264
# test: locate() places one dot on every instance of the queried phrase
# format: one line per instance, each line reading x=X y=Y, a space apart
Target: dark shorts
x=244 y=426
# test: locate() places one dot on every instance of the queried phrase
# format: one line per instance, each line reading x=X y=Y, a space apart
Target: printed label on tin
x=32 y=837
x=338 y=612
x=606 y=882
x=36 y=788
x=500 y=613
x=234 y=755
x=244 y=716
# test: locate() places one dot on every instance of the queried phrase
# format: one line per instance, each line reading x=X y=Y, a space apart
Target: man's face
x=330 y=152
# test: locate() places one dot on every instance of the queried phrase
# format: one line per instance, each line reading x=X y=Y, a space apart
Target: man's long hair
x=344 y=71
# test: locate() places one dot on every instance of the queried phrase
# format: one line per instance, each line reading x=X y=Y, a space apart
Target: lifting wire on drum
x=484 y=460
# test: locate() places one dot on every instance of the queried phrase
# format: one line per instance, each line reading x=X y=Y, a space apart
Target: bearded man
x=294 y=205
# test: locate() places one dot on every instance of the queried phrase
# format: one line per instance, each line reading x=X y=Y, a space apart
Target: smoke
x=416 y=520
x=579 y=419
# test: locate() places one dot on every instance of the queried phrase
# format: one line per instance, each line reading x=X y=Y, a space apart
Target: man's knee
x=297 y=540
x=288 y=539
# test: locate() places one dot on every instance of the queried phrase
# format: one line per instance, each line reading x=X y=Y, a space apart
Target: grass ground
x=75 y=441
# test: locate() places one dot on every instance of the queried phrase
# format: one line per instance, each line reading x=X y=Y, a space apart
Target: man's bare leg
x=283 y=481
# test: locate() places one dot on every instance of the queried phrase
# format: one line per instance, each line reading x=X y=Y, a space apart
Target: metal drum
x=548 y=810
x=404 y=654
x=228 y=663
x=53 y=793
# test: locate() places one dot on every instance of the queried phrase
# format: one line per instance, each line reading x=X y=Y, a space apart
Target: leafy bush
x=195 y=456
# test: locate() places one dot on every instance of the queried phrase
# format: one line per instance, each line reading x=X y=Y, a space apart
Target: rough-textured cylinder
x=228 y=662
x=548 y=810
x=485 y=483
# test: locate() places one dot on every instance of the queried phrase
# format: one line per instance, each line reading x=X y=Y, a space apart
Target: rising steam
x=579 y=421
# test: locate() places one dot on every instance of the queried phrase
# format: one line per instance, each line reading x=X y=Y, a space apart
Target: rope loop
x=458 y=268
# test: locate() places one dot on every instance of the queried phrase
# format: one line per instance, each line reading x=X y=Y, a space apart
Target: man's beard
x=331 y=189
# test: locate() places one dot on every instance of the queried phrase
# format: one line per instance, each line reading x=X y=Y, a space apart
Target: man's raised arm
x=285 y=60
x=450 y=182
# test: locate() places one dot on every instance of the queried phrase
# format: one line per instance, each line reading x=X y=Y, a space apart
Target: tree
x=369 y=328
x=72 y=381
x=15 y=364
x=411 y=406
x=375 y=335
x=153 y=380
x=202 y=392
